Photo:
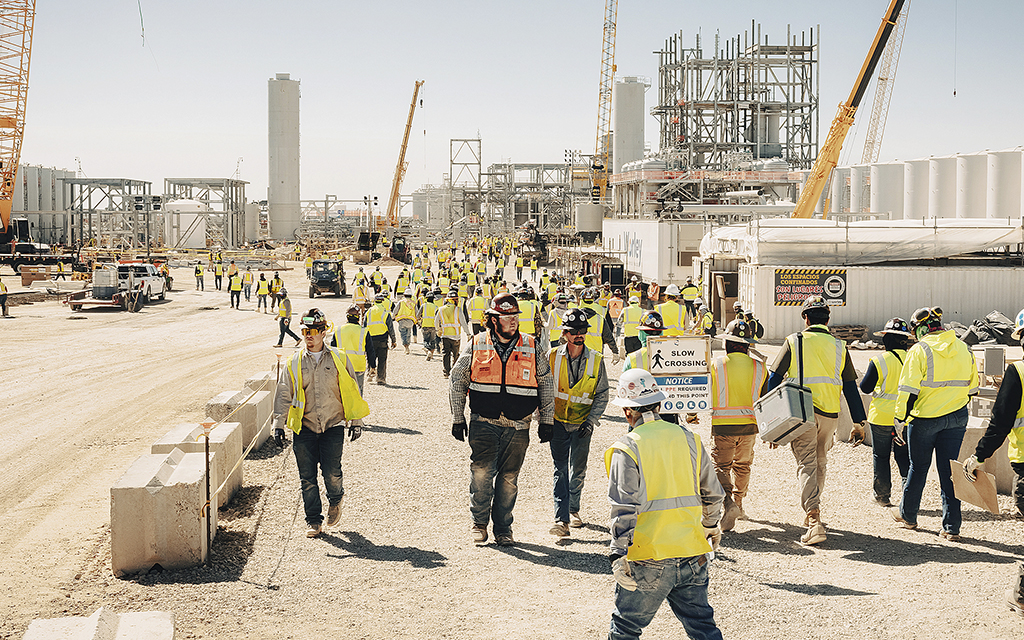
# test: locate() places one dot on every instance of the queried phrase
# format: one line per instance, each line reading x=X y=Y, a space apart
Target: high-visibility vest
x=406 y=310
x=668 y=524
x=545 y=280
x=353 y=403
x=218 y=270
x=736 y=381
x=401 y=283
x=501 y=263
x=417 y=274
x=942 y=383
x=3 y=287
x=428 y=310
x=673 y=315
x=276 y=284
x=637 y=360
x=883 y=397
x=351 y=338
x=552 y=291
x=533 y=264
x=360 y=277
x=1015 y=448
x=594 y=333
x=463 y=290
x=604 y=298
x=528 y=316
x=309 y=262
x=508 y=389
x=378 y=277
x=573 y=403
x=376 y=320
x=690 y=292
x=359 y=295
x=199 y=271
x=824 y=356
x=487 y=290
x=263 y=287
x=449 y=321
x=232 y=269
x=236 y=283
x=705 y=322
x=653 y=293
x=555 y=320
x=284 y=310
x=519 y=263
x=471 y=277
x=247 y=277
x=477 y=306
x=615 y=307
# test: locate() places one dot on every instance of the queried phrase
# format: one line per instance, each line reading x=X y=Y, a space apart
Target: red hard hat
x=503 y=304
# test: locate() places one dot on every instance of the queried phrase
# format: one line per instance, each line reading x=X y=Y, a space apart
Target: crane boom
x=396 y=184
x=828 y=157
x=16 y=20
x=883 y=90
x=602 y=151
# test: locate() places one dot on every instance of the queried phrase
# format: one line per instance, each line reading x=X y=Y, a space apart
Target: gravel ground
x=402 y=564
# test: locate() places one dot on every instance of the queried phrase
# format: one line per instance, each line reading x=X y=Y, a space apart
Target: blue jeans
x=494 y=464
x=405 y=332
x=324 y=449
x=569 y=450
x=882 y=448
x=683 y=581
x=943 y=435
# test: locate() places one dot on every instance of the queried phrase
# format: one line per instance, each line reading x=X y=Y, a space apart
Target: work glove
x=971 y=468
x=714 y=536
x=586 y=429
x=857 y=434
x=545 y=431
x=279 y=438
x=459 y=431
x=621 y=573
x=354 y=431
x=899 y=428
x=616 y=358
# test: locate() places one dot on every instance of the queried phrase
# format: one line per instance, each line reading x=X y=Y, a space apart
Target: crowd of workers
x=533 y=351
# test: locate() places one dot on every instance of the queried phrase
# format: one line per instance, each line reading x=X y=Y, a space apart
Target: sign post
x=680 y=366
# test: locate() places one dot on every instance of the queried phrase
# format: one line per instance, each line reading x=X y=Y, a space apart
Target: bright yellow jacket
x=824 y=357
x=888 y=365
x=572 y=404
x=940 y=370
x=355 y=407
x=351 y=338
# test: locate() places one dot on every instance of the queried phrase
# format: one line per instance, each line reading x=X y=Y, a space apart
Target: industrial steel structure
x=225 y=202
x=16 y=21
x=116 y=213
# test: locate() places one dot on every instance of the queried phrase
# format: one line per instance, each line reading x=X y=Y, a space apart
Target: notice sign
x=793 y=286
x=679 y=365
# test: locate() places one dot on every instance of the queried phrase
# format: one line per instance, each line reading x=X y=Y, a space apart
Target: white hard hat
x=671 y=290
x=634 y=300
x=408 y=291
x=637 y=388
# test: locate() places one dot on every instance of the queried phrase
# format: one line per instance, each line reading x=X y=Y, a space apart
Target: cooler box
x=784 y=413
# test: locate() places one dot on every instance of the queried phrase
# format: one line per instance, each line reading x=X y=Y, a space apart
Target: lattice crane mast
x=602 y=151
x=883 y=90
x=396 y=184
x=16 y=20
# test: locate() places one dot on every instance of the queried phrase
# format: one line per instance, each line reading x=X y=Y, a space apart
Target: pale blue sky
x=523 y=74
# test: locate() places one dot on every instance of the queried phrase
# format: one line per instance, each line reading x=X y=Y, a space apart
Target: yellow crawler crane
x=16 y=19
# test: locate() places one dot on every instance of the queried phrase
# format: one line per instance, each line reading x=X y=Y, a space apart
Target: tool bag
x=788 y=410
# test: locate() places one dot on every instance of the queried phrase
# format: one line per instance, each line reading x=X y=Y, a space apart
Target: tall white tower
x=628 y=121
x=283 y=208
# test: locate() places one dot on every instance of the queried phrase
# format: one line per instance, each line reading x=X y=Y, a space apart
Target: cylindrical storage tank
x=18 y=203
x=1003 y=184
x=971 y=179
x=942 y=187
x=184 y=224
x=915 y=189
x=859 y=194
x=627 y=121
x=45 y=189
x=285 y=213
x=32 y=187
x=887 y=188
x=840 y=193
x=252 y=222
x=589 y=219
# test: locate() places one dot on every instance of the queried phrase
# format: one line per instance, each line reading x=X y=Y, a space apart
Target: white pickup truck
x=144 y=277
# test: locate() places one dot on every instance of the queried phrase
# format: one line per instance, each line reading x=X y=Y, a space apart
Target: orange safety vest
x=509 y=389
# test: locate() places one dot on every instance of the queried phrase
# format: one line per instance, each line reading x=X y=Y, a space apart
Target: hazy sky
x=521 y=74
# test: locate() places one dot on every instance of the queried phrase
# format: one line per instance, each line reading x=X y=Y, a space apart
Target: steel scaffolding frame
x=104 y=213
x=225 y=198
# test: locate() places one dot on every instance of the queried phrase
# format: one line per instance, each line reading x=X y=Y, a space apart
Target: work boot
x=479 y=532
x=334 y=513
x=561 y=529
x=313 y=530
x=1015 y=596
x=732 y=512
x=430 y=355
x=371 y=374
x=575 y=521
x=739 y=503
x=895 y=513
x=815 y=529
x=406 y=349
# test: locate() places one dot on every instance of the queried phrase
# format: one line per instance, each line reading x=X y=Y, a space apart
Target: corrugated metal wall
x=875 y=294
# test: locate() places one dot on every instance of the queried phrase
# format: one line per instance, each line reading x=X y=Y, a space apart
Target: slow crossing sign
x=679 y=364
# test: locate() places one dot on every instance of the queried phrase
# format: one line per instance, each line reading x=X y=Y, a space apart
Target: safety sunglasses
x=576 y=332
x=311 y=331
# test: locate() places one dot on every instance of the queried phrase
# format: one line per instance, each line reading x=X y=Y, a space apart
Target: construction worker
x=673 y=312
x=665 y=508
x=232 y=269
x=827 y=371
x=529 y=312
x=753 y=322
x=737 y=308
x=519 y=267
x=581 y=395
x=476 y=307
x=633 y=288
x=276 y=286
x=284 y=319
x=317 y=412
x=355 y=342
x=247 y=279
x=361 y=295
x=881 y=380
x=689 y=293
x=451 y=321
x=936 y=384
x=533 y=269
x=378 y=323
x=60 y=272
x=506 y=383
x=554 y=322
x=218 y=274
x=360 y=277
x=650 y=324
x=377 y=278
x=405 y=313
x=737 y=381
x=309 y=265
x=235 y=290
x=601 y=331
x=3 y=299
x=704 y=321
x=615 y=306
x=262 y=291
x=630 y=321
x=604 y=295
x=200 y=277
x=653 y=295
x=425 y=315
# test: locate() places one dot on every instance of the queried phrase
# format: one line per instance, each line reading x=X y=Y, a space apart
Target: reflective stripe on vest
x=594 y=333
x=353 y=403
x=1016 y=439
x=406 y=310
x=429 y=309
x=572 y=404
x=673 y=315
x=638 y=360
x=477 y=306
x=352 y=339
x=631 y=321
x=734 y=403
x=882 y=410
x=527 y=316
x=263 y=288
x=490 y=379
x=376 y=320
x=929 y=377
x=449 y=321
x=824 y=357
x=690 y=292
x=669 y=520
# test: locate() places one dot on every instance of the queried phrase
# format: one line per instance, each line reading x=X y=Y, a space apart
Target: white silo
x=628 y=121
x=840 y=190
x=915 y=189
x=971 y=179
x=185 y=224
x=284 y=211
x=942 y=187
x=887 y=188
x=1004 y=171
x=860 y=196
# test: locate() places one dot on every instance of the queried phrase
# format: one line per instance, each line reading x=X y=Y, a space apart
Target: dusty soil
x=85 y=393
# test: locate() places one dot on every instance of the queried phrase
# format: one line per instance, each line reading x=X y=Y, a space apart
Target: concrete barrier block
x=155 y=513
x=253 y=416
x=225 y=446
x=146 y=625
x=224 y=403
x=998 y=465
x=105 y=625
x=846 y=421
x=257 y=381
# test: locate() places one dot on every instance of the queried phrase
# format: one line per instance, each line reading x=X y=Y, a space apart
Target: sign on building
x=679 y=365
x=793 y=286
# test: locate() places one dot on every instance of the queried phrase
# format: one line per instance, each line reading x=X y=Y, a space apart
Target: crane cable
x=956 y=14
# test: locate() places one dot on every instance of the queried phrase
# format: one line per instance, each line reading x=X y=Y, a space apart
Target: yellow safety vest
x=594 y=333
x=218 y=270
x=690 y=292
x=236 y=283
x=477 y=306
x=376 y=320
x=673 y=315
x=263 y=288
x=284 y=310
x=309 y=263
x=276 y=284
x=377 y=277
x=668 y=524
x=942 y=384
x=199 y=271
x=637 y=360
x=552 y=291
x=736 y=381
x=351 y=338
x=429 y=309
x=463 y=290
x=471 y=278
x=519 y=263
x=533 y=265
x=1016 y=439
x=449 y=321
x=406 y=310
x=527 y=316
x=359 y=295
x=824 y=356
x=444 y=282
x=888 y=365
x=247 y=277
x=355 y=407
x=487 y=289
x=572 y=404
x=402 y=283
x=360 y=277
